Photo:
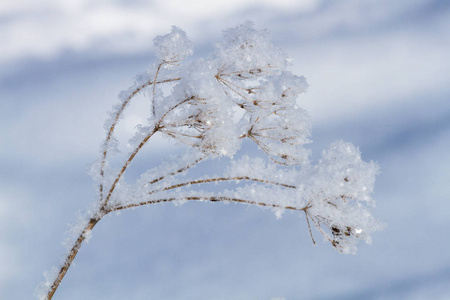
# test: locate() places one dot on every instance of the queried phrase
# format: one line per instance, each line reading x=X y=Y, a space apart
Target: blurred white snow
x=378 y=75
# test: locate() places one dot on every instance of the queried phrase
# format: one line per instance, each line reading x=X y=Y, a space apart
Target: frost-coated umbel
x=242 y=91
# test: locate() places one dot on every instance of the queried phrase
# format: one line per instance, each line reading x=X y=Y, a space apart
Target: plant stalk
x=71 y=256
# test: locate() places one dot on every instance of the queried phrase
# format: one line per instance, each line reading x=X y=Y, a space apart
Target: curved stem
x=127 y=163
x=116 y=119
x=93 y=221
x=157 y=127
x=210 y=198
x=178 y=171
x=221 y=179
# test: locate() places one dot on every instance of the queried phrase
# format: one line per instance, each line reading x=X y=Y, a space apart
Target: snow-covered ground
x=378 y=75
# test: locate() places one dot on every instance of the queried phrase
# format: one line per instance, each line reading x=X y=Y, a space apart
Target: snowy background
x=379 y=78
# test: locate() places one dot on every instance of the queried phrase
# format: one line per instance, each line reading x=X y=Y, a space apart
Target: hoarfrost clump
x=241 y=91
x=174 y=46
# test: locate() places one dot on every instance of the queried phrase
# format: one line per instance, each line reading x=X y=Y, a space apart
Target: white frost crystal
x=174 y=46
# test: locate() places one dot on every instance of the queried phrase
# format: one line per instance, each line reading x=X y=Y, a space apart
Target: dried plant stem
x=230 y=86
x=71 y=256
x=154 y=87
x=127 y=163
x=92 y=222
x=334 y=243
x=103 y=207
x=209 y=198
x=116 y=120
x=222 y=179
x=267 y=116
x=177 y=171
x=309 y=228
x=156 y=128
x=266 y=149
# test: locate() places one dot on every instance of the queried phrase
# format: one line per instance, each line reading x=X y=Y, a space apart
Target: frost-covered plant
x=243 y=90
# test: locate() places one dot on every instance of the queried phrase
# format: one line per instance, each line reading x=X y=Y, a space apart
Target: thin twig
x=309 y=227
x=178 y=171
x=334 y=243
x=116 y=119
x=267 y=150
x=157 y=127
x=228 y=85
x=221 y=179
x=73 y=252
x=174 y=133
x=154 y=87
x=211 y=198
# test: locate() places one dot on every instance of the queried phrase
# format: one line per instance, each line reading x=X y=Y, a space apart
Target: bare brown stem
x=334 y=243
x=177 y=171
x=221 y=179
x=116 y=119
x=127 y=163
x=157 y=127
x=103 y=208
x=92 y=222
x=154 y=87
x=309 y=227
x=71 y=256
x=229 y=85
x=211 y=198
x=266 y=149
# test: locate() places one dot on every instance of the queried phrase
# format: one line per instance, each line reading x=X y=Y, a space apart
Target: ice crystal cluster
x=242 y=91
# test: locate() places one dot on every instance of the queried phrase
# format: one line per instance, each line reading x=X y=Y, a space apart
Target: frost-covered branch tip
x=244 y=90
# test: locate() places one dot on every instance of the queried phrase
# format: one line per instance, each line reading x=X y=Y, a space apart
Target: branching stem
x=93 y=221
x=156 y=128
x=116 y=120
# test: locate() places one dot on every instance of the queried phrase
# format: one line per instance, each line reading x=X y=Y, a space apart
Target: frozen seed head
x=173 y=47
x=246 y=48
x=244 y=89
